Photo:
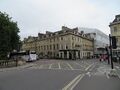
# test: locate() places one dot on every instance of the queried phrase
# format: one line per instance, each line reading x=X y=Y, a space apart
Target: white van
x=32 y=56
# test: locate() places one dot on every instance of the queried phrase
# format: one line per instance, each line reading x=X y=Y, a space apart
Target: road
x=60 y=75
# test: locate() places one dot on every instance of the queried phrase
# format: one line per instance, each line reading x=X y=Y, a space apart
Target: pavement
x=60 y=75
x=17 y=68
x=117 y=68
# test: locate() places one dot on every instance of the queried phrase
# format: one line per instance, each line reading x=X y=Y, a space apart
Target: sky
x=34 y=16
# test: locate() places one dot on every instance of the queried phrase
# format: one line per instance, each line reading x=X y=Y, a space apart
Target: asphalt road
x=60 y=75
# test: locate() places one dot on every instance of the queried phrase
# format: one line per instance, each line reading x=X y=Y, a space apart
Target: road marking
x=117 y=72
x=92 y=68
x=50 y=66
x=89 y=67
x=88 y=73
x=41 y=66
x=86 y=63
x=2 y=70
x=59 y=66
x=73 y=83
x=107 y=75
x=79 y=65
x=70 y=66
x=118 y=75
x=117 y=67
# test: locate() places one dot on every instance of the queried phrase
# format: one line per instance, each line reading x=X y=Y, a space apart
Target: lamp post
x=110 y=39
x=108 y=53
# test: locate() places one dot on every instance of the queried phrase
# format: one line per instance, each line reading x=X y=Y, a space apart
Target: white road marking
x=80 y=65
x=59 y=66
x=41 y=66
x=88 y=73
x=70 y=66
x=86 y=63
x=74 y=82
x=89 y=66
x=65 y=69
x=118 y=75
x=50 y=66
x=117 y=72
x=117 y=67
x=107 y=75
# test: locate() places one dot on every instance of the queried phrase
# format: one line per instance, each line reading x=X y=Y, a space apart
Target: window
x=47 y=47
x=57 y=46
x=72 y=45
x=72 y=38
x=50 y=40
x=118 y=19
x=44 y=47
x=61 y=46
x=66 y=47
x=57 y=38
x=61 y=38
x=115 y=29
x=117 y=40
x=54 y=39
x=53 y=47
x=41 y=47
x=50 y=47
x=61 y=55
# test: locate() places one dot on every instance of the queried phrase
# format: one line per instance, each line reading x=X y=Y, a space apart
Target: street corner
x=113 y=73
x=116 y=71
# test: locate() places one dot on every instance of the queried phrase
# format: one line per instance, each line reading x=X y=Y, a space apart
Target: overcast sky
x=35 y=16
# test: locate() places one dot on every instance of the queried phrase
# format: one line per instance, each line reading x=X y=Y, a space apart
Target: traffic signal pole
x=110 y=39
x=108 y=57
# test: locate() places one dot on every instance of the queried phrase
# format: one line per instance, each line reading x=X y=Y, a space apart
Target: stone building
x=66 y=44
x=115 y=31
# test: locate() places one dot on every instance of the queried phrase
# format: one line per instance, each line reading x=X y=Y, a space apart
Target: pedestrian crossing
x=62 y=66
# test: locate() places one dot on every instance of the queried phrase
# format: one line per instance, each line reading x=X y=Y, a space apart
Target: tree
x=9 y=38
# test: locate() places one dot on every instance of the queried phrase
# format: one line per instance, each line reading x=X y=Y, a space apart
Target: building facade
x=115 y=31
x=66 y=44
x=100 y=39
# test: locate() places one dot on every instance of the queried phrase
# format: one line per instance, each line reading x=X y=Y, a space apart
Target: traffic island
x=113 y=73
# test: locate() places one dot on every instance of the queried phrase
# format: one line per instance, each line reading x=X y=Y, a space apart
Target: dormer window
x=118 y=19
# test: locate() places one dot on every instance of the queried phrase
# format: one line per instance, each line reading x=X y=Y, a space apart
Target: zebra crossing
x=62 y=65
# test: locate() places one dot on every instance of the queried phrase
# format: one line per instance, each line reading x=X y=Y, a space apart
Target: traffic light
x=114 y=46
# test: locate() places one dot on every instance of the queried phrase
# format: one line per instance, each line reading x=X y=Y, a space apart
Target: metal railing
x=8 y=63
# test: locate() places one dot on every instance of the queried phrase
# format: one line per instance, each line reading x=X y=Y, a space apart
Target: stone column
x=63 y=54
x=76 y=54
x=67 y=54
x=59 y=54
x=81 y=55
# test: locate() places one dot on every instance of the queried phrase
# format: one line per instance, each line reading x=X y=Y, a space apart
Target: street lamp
x=110 y=40
x=108 y=53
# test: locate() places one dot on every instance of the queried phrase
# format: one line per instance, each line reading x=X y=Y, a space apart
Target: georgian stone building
x=66 y=44
x=115 y=31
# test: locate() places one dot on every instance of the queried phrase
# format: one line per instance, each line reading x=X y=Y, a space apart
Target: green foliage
x=9 y=37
